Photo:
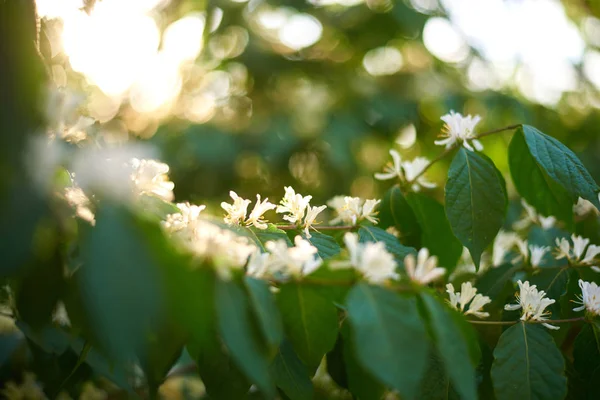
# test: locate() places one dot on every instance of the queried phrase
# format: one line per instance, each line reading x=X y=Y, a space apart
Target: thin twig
x=549 y=321
x=450 y=149
x=321 y=228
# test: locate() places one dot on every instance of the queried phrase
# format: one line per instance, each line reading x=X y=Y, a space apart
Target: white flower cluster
x=532 y=304
x=406 y=171
x=224 y=248
x=150 y=177
x=590 y=298
x=236 y=212
x=532 y=217
x=505 y=242
x=351 y=210
x=459 y=129
x=423 y=268
x=468 y=295
x=371 y=260
x=281 y=260
x=577 y=253
x=297 y=208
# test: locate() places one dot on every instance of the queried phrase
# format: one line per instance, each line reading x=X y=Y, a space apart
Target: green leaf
x=475 y=201
x=395 y=211
x=262 y=236
x=436 y=233
x=528 y=365
x=163 y=349
x=561 y=164
x=119 y=280
x=586 y=351
x=290 y=374
x=237 y=331
x=436 y=383
x=494 y=280
x=374 y=234
x=390 y=338
x=325 y=244
x=266 y=311
x=452 y=347
x=310 y=321
x=533 y=182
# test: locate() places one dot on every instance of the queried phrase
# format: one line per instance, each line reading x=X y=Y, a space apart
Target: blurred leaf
x=389 y=337
x=475 y=201
x=262 y=236
x=586 y=351
x=235 y=326
x=325 y=244
x=494 y=280
x=527 y=364
x=452 y=347
x=310 y=320
x=374 y=234
x=265 y=310
x=436 y=233
x=395 y=211
x=290 y=374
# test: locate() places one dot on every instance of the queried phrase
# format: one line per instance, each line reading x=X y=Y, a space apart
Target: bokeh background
x=254 y=95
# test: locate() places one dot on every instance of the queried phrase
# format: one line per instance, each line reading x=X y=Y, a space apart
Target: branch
x=549 y=321
x=492 y=132
x=321 y=228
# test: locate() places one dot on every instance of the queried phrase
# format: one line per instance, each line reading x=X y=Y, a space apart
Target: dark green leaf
x=533 y=182
x=290 y=374
x=266 y=311
x=262 y=236
x=586 y=351
x=374 y=234
x=325 y=244
x=436 y=233
x=310 y=320
x=436 y=383
x=528 y=365
x=389 y=337
x=120 y=280
x=395 y=211
x=493 y=281
x=475 y=201
x=452 y=347
x=235 y=326
x=561 y=164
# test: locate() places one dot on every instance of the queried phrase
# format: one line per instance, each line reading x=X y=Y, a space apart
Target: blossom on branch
x=459 y=129
x=311 y=216
x=532 y=304
x=468 y=295
x=406 y=171
x=577 y=253
x=351 y=210
x=371 y=260
x=150 y=177
x=256 y=216
x=590 y=298
x=532 y=217
x=294 y=205
x=423 y=269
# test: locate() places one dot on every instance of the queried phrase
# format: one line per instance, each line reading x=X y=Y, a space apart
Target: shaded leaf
x=325 y=244
x=395 y=211
x=374 y=234
x=266 y=311
x=290 y=374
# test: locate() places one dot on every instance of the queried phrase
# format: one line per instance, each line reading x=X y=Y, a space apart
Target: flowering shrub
x=279 y=301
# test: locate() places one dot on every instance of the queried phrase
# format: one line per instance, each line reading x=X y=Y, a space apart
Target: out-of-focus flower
x=537 y=253
x=300 y=260
x=294 y=205
x=533 y=304
x=423 y=268
x=150 y=177
x=590 y=298
x=311 y=216
x=532 y=217
x=351 y=210
x=408 y=171
x=236 y=212
x=28 y=389
x=468 y=295
x=256 y=216
x=584 y=207
x=82 y=204
x=504 y=243
x=372 y=260
x=459 y=129
x=188 y=214
x=577 y=253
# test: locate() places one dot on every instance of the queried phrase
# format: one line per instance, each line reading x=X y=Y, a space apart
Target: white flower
x=537 y=253
x=188 y=215
x=256 y=216
x=504 y=243
x=82 y=204
x=372 y=260
x=533 y=304
x=392 y=169
x=577 y=253
x=532 y=217
x=584 y=207
x=590 y=297
x=406 y=171
x=294 y=204
x=236 y=212
x=412 y=169
x=351 y=210
x=300 y=260
x=311 y=216
x=150 y=177
x=423 y=268
x=258 y=264
x=459 y=129
x=464 y=297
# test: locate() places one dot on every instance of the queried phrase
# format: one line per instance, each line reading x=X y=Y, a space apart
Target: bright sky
x=530 y=44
